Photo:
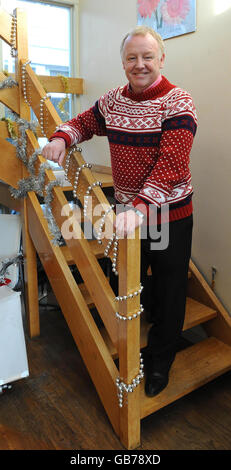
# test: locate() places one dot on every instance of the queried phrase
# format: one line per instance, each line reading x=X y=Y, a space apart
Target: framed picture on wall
x=169 y=18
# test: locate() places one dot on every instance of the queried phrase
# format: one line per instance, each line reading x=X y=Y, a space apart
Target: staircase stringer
x=86 y=335
x=199 y=289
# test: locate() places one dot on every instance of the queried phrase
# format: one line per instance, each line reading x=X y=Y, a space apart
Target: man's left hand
x=126 y=223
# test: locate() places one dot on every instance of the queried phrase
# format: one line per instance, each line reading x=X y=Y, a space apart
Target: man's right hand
x=55 y=151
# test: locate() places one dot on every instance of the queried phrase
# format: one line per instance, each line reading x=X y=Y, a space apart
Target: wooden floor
x=57 y=407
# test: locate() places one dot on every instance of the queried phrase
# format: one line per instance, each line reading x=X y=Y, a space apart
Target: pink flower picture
x=175 y=11
x=169 y=18
x=147 y=7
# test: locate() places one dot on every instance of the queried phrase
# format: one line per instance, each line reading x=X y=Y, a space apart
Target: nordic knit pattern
x=150 y=137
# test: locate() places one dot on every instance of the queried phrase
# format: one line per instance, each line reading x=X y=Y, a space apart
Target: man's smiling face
x=141 y=61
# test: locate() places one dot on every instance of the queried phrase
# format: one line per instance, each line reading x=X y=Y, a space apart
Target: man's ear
x=162 y=59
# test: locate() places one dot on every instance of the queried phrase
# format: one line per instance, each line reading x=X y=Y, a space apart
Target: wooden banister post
x=129 y=339
x=30 y=262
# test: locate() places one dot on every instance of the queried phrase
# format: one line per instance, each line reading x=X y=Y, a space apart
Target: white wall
x=103 y=24
x=200 y=63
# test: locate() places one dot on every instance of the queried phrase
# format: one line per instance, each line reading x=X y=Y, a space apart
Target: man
x=150 y=124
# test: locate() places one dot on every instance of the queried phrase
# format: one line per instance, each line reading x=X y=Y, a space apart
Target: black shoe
x=155 y=383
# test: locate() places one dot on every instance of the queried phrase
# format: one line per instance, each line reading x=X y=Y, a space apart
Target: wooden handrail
x=5 y=21
x=37 y=92
x=54 y=84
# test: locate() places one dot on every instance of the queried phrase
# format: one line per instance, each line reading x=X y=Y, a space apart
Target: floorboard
x=58 y=408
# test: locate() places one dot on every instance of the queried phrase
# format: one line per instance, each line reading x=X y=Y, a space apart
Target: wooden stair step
x=195 y=314
x=193 y=367
x=86 y=295
x=97 y=249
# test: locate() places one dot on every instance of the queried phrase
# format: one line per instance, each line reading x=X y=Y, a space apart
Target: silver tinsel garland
x=34 y=182
x=53 y=227
x=8 y=83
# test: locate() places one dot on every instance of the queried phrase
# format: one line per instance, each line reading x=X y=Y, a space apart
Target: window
x=49 y=43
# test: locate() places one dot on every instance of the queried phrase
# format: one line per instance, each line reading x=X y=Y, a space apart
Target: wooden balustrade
x=124 y=335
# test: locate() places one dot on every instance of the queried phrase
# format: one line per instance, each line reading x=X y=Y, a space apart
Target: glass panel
x=49 y=44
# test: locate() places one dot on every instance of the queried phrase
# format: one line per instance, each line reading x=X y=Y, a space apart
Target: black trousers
x=164 y=293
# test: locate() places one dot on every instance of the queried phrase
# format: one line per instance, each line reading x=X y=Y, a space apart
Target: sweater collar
x=158 y=88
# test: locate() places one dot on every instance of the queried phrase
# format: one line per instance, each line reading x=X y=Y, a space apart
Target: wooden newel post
x=129 y=340
x=30 y=263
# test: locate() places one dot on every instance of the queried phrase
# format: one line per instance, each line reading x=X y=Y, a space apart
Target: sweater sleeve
x=172 y=166
x=82 y=127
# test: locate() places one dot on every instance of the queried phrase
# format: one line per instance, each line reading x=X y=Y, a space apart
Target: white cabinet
x=13 y=356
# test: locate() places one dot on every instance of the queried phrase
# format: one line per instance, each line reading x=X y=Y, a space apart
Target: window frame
x=74 y=40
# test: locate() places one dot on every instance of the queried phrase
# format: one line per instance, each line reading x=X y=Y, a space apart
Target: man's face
x=141 y=61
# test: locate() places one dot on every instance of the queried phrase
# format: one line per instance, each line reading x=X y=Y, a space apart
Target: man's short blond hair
x=142 y=31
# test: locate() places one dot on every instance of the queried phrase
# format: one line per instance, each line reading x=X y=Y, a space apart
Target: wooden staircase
x=101 y=345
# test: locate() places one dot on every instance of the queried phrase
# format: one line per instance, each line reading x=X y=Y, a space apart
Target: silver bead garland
x=130 y=317
x=41 y=115
x=13 y=51
x=23 y=72
x=130 y=296
x=113 y=242
x=76 y=180
x=129 y=388
x=99 y=236
x=68 y=159
x=87 y=194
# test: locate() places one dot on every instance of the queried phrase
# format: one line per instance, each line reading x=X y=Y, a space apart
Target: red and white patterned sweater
x=150 y=137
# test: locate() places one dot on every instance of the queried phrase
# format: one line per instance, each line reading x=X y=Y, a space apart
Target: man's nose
x=139 y=62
